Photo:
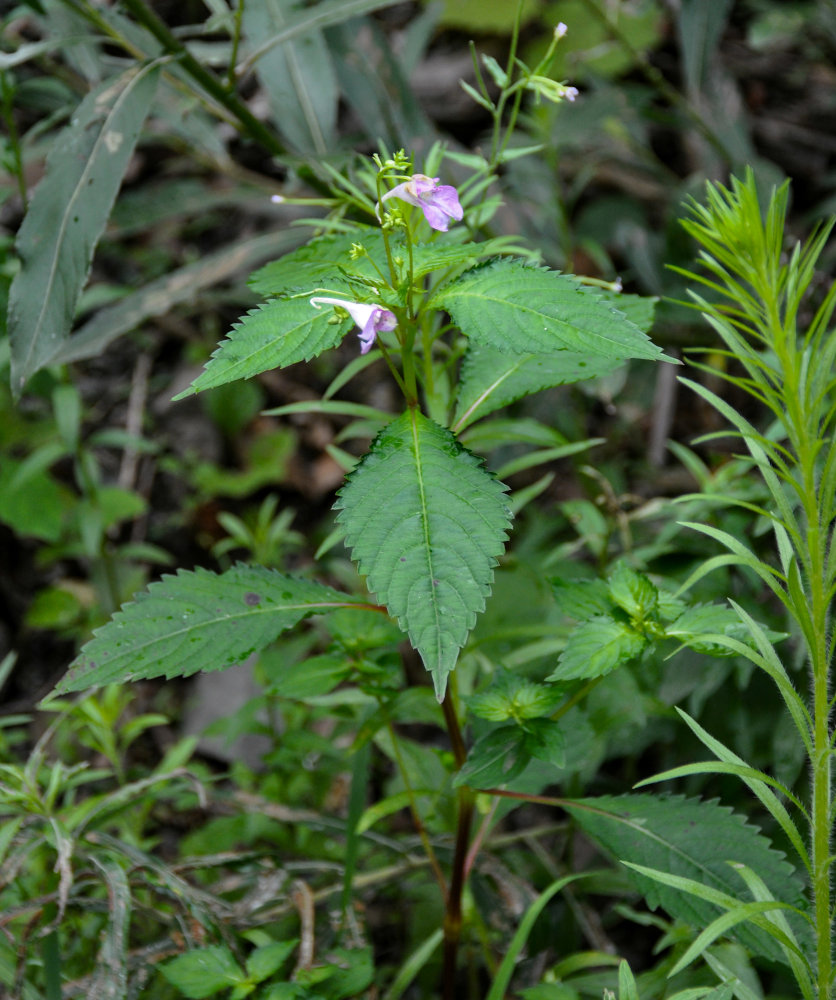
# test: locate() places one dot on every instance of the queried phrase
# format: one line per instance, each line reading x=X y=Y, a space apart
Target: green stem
x=802 y=425
x=503 y=97
x=821 y=763
x=236 y=40
x=396 y=375
x=453 y=911
x=210 y=83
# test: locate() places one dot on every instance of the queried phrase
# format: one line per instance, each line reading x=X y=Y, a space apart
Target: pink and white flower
x=371 y=318
x=438 y=202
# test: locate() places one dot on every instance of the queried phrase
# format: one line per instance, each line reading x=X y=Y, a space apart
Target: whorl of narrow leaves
x=276 y=334
x=525 y=310
x=197 y=621
x=426 y=522
x=696 y=840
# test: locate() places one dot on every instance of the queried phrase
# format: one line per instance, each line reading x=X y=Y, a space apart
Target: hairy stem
x=802 y=422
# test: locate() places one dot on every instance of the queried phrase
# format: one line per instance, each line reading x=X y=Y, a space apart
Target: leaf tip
x=440 y=685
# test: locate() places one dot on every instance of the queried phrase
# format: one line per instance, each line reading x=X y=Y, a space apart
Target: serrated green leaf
x=639 y=309
x=68 y=213
x=327 y=261
x=276 y=334
x=524 y=310
x=425 y=523
x=597 y=647
x=197 y=621
x=319 y=263
x=692 y=839
x=544 y=740
x=632 y=591
x=511 y=696
x=427 y=257
x=204 y=971
x=494 y=759
x=493 y=705
x=532 y=700
x=582 y=599
x=492 y=378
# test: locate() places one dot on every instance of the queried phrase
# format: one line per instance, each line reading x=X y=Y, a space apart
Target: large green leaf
x=197 y=621
x=425 y=522
x=698 y=840
x=491 y=378
x=68 y=213
x=298 y=76
x=525 y=310
x=319 y=263
x=428 y=257
x=274 y=335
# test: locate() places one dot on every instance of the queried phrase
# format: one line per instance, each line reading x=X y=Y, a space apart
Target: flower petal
x=368 y=334
x=437 y=217
x=402 y=191
x=438 y=202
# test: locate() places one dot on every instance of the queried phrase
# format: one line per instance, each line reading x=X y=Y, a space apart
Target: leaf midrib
x=233 y=616
x=128 y=89
x=425 y=525
x=508 y=304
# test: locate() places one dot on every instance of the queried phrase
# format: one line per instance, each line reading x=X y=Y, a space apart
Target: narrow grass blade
x=506 y=968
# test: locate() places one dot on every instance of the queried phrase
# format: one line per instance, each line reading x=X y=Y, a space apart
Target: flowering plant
x=464 y=328
x=466 y=325
x=424 y=519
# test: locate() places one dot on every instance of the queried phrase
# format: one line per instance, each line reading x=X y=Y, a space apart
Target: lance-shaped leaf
x=698 y=840
x=68 y=213
x=525 y=310
x=426 y=523
x=276 y=334
x=197 y=621
x=491 y=378
x=298 y=76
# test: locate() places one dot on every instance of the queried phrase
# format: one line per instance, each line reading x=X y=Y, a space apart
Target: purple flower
x=438 y=202
x=370 y=318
